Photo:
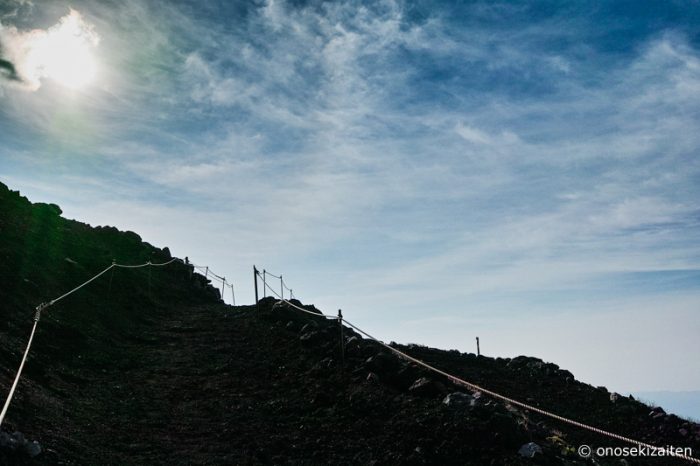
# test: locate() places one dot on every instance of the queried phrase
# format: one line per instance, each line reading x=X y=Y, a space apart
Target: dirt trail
x=212 y=384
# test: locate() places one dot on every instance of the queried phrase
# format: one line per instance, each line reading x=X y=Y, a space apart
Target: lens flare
x=65 y=53
x=62 y=53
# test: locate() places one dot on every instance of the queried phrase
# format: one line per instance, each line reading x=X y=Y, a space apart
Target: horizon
x=522 y=174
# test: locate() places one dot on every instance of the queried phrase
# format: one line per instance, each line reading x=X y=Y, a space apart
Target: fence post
x=281 y=287
x=233 y=295
x=150 y=294
x=342 y=339
x=223 y=287
x=206 y=274
x=255 y=280
x=478 y=350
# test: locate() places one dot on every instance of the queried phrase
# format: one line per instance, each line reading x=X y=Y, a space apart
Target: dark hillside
x=124 y=375
x=43 y=255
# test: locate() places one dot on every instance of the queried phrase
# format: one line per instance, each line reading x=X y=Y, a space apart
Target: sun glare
x=65 y=52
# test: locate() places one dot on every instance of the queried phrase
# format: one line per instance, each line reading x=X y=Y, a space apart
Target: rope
x=50 y=303
x=273 y=276
x=215 y=275
x=54 y=301
x=37 y=316
x=165 y=263
x=477 y=388
x=299 y=308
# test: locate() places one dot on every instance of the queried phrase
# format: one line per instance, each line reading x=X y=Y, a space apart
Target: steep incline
x=124 y=373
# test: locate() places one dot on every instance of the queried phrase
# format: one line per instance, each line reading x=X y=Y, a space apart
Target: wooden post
x=478 y=350
x=281 y=287
x=206 y=274
x=342 y=339
x=223 y=287
x=255 y=280
x=150 y=295
x=233 y=295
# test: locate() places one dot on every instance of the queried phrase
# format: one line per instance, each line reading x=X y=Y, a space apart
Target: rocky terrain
x=139 y=369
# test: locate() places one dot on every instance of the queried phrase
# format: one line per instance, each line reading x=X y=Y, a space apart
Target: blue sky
x=523 y=172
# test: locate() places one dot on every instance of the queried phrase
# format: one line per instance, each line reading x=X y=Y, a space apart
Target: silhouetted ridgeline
x=43 y=255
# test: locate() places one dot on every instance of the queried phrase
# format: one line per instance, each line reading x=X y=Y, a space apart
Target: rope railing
x=225 y=283
x=478 y=388
x=317 y=314
x=457 y=380
x=45 y=305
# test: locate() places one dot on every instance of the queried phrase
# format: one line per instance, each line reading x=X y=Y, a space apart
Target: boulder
x=529 y=450
x=426 y=387
x=458 y=400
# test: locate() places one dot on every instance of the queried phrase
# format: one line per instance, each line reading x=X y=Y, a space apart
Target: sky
x=524 y=172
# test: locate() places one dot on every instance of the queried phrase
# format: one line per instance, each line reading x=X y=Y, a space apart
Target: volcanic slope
x=127 y=373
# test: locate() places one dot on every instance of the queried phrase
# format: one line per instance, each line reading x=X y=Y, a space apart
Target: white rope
x=317 y=314
x=220 y=278
x=147 y=264
x=273 y=276
x=476 y=388
x=50 y=303
x=21 y=366
x=166 y=263
x=54 y=301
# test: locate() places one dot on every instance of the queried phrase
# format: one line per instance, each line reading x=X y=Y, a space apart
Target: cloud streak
x=394 y=159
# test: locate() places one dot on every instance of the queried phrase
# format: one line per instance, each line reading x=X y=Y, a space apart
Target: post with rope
x=255 y=280
x=223 y=287
x=281 y=287
x=478 y=350
x=233 y=295
x=206 y=273
x=342 y=339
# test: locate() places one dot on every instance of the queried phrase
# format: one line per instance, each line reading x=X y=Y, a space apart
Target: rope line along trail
x=47 y=304
x=225 y=283
x=317 y=314
x=477 y=388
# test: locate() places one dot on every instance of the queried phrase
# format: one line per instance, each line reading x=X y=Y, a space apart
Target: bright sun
x=64 y=52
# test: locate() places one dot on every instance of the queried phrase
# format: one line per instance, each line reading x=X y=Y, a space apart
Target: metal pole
x=478 y=350
x=342 y=339
x=255 y=280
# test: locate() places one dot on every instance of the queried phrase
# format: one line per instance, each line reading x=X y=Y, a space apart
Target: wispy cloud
x=421 y=157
